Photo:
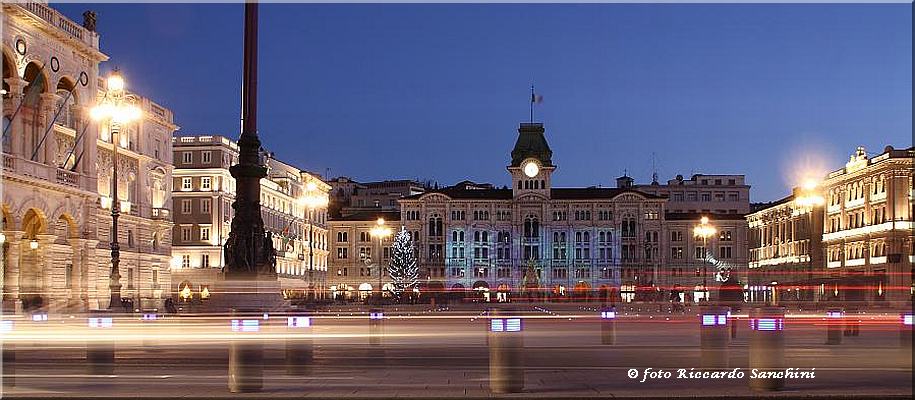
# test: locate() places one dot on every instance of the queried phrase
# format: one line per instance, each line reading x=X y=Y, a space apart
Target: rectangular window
x=185 y=234
x=68 y=277
x=186 y=184
x=187 y=157
x=676 y=253
x=185 y=261
x=205 y=205
x=155 y=278
x=206 y=157
x=341 y=253
x=204 y=233
x=205 y=260
x=206 y=183
x=186 y=206
x=129 y=278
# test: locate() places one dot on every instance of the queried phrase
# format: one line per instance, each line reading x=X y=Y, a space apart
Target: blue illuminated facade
x=533 y=238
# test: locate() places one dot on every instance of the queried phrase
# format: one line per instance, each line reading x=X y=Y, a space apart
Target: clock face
x=531 y=169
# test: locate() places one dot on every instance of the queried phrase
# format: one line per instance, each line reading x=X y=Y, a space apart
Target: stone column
x=45 y=261
x=11 y=273
x=46 y=115
x=16 y=84
x=77 y=300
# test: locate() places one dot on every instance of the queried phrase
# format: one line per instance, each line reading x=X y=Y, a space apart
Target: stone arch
x=7 y=223
x=9 y=66
x=582 y=290
x=67 y=102
x=34 y=222
x=32 y=282
x=185 y=290
x=66 y=227
x=36 y=76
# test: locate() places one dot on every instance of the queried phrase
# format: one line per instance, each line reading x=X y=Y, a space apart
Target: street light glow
x=115 y=81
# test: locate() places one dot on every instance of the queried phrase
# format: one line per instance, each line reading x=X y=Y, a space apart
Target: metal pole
x=311 y=267
x=114 y=282
x=705 y=267
x=379 y=269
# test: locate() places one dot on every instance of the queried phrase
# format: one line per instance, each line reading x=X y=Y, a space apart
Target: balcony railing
x=456 y=262
x=68 y=178
x=55 y=18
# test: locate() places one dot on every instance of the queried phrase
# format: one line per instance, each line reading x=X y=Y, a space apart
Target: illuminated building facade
x=868 y=227
x=56 y=179
x=532 y=238
x=203 y=196
x=354 y=270
x=786 y=250
x=690 y=262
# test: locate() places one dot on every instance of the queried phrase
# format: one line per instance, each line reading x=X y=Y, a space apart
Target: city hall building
x=535 y=239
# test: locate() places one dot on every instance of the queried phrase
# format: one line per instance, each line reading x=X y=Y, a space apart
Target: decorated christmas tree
x=403 y=269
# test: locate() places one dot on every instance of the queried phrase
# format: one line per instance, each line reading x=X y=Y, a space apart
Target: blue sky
x=437 y=91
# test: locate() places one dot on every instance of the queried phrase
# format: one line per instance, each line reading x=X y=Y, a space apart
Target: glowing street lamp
x=115 y=109
x=808 y=198
x=312 y=200
x=704 y=230
x=380 y=231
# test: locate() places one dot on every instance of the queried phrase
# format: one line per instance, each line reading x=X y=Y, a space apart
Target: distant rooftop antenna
x=654 y=169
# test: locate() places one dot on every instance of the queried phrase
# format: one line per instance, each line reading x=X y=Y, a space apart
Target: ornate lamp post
x=380 y=231
x=808 y=200
x=312 y=200
x=115 y=109
x=704 y=230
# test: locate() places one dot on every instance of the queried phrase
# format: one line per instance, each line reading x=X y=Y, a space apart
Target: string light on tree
x=403 y=270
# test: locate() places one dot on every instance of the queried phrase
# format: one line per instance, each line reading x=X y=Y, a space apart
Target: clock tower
x=532 y=163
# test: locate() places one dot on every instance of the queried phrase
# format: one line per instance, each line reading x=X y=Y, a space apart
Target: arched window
x=435 y=225
x=66 y=104
x=531 y=227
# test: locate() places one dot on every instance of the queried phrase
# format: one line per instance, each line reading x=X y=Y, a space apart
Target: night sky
x=437 y=91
